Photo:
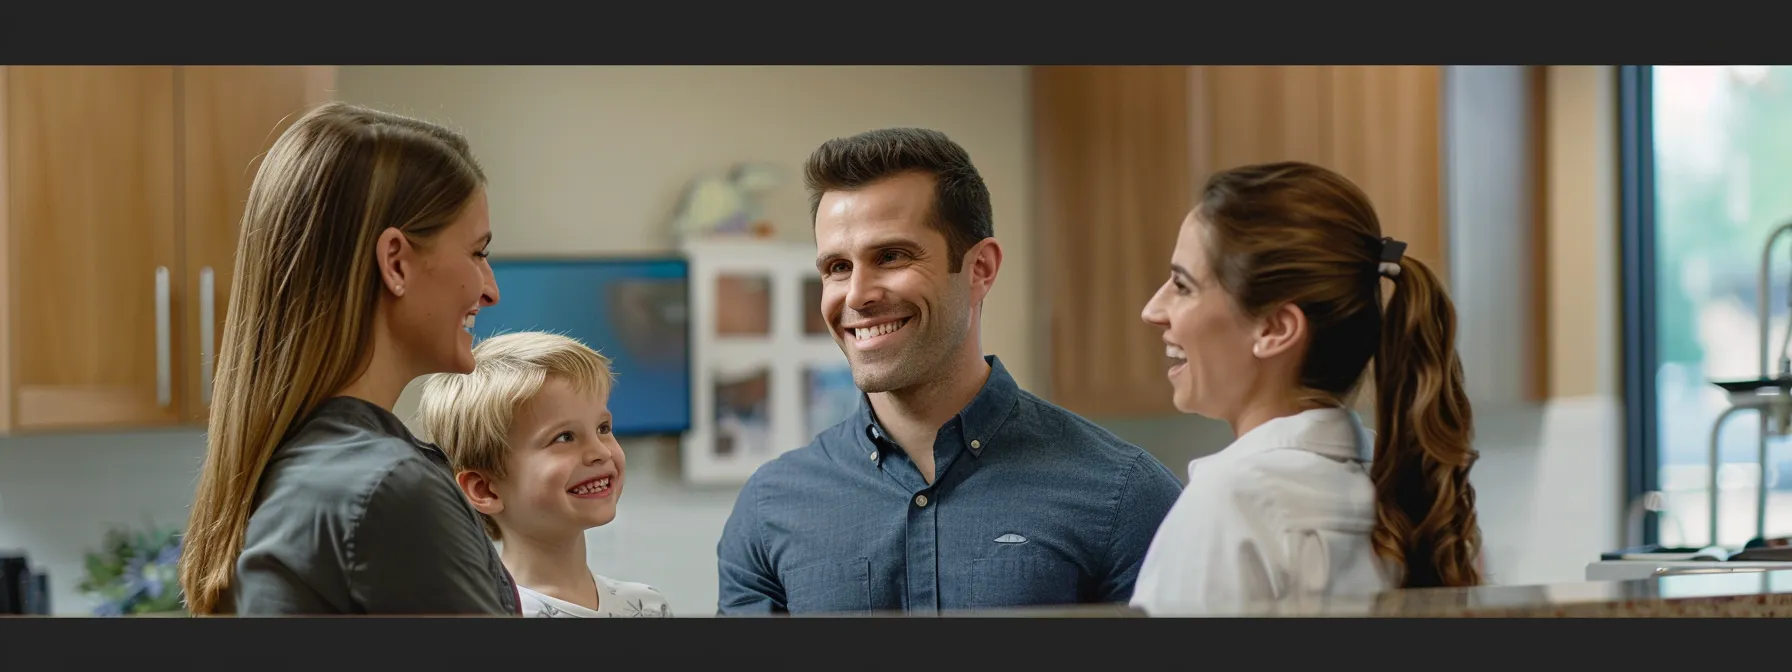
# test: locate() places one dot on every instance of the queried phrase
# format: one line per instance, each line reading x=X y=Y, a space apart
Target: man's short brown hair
x=961 y=210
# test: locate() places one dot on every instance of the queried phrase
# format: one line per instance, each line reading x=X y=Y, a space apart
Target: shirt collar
x=1333 y=432
x=978 y=422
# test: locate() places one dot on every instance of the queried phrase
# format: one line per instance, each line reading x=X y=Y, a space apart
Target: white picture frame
x=750 y=388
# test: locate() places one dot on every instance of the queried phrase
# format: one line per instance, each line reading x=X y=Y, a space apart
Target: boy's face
x=565 y=467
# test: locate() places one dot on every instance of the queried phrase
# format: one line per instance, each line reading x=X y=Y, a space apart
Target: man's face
x=887 y=295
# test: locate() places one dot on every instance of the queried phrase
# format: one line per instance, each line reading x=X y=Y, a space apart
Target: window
x=1707 y=175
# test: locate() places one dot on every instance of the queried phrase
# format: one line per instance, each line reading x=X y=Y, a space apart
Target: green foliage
x=135 y=572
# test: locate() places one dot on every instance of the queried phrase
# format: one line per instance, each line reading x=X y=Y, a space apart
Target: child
x=528 y=435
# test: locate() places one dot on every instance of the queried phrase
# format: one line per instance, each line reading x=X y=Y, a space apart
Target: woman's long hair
x=1294 y=233
x=299 y=326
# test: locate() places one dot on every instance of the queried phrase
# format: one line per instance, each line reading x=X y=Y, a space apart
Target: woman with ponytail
x=1272 y=314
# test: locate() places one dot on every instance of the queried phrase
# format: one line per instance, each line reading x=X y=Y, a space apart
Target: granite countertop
x=1712 y=594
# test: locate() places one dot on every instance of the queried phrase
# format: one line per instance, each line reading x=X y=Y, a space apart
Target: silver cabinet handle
x=164 y=386
x=206 y=315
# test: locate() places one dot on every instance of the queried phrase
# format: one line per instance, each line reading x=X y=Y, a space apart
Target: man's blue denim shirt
x=1030 y=505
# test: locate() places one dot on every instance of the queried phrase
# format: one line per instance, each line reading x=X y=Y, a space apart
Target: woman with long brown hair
x=1271 y=315
x=360 y=266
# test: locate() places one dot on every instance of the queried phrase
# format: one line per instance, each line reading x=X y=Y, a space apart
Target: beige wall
x=592 y=160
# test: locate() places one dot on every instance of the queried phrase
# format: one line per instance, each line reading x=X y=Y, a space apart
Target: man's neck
x=913 y=415
x=553 y=567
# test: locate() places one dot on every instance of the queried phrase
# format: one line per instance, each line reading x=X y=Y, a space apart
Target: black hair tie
x=1391 y=253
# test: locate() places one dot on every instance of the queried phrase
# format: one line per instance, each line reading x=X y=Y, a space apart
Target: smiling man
x=950 y=488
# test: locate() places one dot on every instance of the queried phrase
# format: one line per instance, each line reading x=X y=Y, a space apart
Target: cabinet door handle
x=164 y=372
x=206 y=319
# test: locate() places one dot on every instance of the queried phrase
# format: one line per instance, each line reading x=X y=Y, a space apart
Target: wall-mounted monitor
x=633 y=310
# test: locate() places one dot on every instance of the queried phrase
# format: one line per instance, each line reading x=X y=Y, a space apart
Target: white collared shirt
x=615 y=599
x=1284 y=512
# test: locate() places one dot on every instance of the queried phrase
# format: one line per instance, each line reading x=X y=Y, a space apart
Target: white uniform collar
x=1333 y=432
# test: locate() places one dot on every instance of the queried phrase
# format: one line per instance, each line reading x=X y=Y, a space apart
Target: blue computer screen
x=633 y=310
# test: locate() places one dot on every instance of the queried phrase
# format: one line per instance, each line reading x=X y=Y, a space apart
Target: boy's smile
x=596 y=487
x=565 y=471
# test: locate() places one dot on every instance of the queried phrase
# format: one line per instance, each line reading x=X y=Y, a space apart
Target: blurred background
x=122 y=187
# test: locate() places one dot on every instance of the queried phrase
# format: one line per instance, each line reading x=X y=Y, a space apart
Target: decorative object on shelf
x=136 y=572
x=766 y=373
x=728 y=206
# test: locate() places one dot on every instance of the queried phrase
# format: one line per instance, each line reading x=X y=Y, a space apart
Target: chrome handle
x=206 y=294
x=164 y=386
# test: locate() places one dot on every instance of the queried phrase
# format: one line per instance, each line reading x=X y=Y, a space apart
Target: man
x=950 y=488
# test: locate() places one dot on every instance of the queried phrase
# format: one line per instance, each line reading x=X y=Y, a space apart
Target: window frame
x=1636 y=159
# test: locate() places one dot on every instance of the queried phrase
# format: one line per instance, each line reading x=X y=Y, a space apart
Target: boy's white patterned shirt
x=615 y=599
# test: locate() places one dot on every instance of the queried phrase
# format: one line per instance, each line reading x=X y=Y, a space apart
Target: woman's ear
x=478 y=489
x=1280 y=331
x=396 y=260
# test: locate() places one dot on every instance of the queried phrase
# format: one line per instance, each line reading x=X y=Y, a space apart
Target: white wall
x=59 y=493
x=1550 y=480
x=1490 y=201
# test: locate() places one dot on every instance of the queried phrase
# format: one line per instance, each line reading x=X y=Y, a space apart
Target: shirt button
x=976 y=444
x=921 y=500
x=873 y=456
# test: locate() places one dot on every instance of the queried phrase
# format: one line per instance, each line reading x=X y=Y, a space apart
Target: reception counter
x=1726 y=594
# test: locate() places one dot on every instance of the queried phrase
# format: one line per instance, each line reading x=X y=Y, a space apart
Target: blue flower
x=170 y=554
x=141 y=574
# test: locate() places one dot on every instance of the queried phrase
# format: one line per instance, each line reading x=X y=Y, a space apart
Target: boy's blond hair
x=469 y=415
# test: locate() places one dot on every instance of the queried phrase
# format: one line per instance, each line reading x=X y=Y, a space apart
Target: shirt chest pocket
x=837 y=586
x=1024 y=575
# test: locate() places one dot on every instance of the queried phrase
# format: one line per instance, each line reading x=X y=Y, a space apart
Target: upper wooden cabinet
x=1257 y=114
x=233 y=114
x=1384 y=130
x=120 y=194
x=1114 y=175
x=1121 y=151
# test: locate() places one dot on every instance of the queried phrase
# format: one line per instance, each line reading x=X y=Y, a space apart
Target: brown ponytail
x=1422 y=442
x=1295 y=233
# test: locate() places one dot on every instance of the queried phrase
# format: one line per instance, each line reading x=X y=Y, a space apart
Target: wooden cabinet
x=1380 y=126
x=121 y=187
x=1121 y=151
x=232 y=115
x=1384 y=130
x=1257 y=114
x=1114 y=175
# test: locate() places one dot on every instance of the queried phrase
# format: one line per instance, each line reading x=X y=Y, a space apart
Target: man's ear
x=1280 y=331
x=982 y=262
x=396 y=259
x=478 y=489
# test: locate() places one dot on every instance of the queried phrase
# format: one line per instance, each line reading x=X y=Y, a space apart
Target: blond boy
x=528 y=436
